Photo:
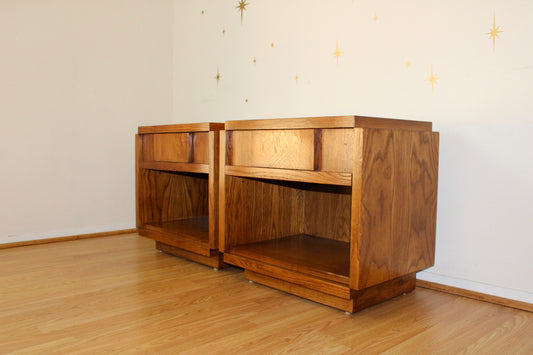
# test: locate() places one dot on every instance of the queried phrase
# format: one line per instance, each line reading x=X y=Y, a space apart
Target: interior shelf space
x=320 y=257
x=289 y=225
x=192 y=229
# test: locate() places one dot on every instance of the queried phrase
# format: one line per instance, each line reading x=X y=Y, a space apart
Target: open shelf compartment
x=297 y=227
x=177 y=189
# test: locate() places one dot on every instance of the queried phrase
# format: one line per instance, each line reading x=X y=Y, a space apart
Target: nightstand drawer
x=297 y=149
x=190 y=147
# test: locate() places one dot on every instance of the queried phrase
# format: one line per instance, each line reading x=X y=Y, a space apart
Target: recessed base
x=214 y=260
x=360 y=299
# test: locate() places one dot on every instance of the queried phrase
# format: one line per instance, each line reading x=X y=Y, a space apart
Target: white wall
x=481 y=103
x=76 y=79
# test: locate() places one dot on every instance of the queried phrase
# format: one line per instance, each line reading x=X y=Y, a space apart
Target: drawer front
x=299 y=149
x=176 y=147
x=285 y=149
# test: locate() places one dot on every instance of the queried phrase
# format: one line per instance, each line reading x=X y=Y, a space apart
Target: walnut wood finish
x=328 y=122
x=177 y=189
x=279 y=199
x=185 y=127
x=398 y=228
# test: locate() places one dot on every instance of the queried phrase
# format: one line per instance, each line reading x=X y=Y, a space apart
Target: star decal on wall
x=432 y=79
x=241 y=6
x=494 y=32
x=218 y=76
x=337 y=52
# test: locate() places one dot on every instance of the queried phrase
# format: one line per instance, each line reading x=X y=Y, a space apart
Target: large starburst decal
x=242 y=7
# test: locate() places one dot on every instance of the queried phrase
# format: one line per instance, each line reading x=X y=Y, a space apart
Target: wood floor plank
x=119 y=294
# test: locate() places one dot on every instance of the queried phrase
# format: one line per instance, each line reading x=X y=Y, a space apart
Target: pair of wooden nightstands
x=339 y=210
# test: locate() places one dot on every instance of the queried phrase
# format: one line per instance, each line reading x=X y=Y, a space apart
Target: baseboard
x=524 y=306
x=67 y=238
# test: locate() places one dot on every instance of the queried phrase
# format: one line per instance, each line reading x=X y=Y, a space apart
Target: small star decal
x=337 y=52
x=432 y=79
x=218 y=77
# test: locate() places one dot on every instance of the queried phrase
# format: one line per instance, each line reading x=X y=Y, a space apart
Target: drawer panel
x=176 y=147
x=284 y=149
x=171 y=147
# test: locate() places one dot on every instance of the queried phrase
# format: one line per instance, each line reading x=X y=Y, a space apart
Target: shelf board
x=171 y=166
x=194 y=230
x=320 y=257
x=316 y=177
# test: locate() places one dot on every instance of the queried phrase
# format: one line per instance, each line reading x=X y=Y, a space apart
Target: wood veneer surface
x=196 y=229
x=317 y=256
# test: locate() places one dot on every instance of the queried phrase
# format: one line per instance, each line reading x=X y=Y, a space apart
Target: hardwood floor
x=119 y=295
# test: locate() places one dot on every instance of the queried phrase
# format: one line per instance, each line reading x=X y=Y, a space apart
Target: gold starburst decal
x=494 y=32
x=296 y=78
x=242 y=7
x=408 y=63
x=432 y=78
x=337 y=52
x=218 y=77
x=375 y=18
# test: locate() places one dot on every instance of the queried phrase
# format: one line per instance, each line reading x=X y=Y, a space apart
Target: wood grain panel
x=357 y=193
x=222 y=187
x=327 y=211
x=166 y=196
x=193 y=229
x=213 y=187
x=257 y=210
x=321 y=285
x=173 y=240
x=166 y=147
x=390 y=123
x=398 y=204
x=214 y=259
x=171 y=166
x=301 y=291
x=321 y=257
x=288 y=149
x=317 y=177
x=200 y=147
x=337 y=150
